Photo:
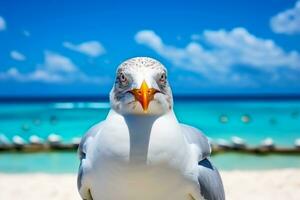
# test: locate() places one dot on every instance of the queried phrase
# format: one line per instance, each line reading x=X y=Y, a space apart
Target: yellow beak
x=144 y=95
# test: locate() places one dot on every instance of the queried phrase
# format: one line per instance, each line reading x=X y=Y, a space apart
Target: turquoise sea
x=279 y=120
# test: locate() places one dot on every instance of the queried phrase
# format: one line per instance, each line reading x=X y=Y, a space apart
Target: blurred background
x=234 y=68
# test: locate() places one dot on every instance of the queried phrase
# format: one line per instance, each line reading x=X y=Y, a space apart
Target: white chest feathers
x=132 y=154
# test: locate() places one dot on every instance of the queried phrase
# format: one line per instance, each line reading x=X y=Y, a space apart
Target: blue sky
x=209 y=47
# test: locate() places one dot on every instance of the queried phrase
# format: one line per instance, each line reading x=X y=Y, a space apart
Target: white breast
x=127 y=166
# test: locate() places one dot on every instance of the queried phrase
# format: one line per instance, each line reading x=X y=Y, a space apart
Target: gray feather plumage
x=209 y=179
x=82 y=153
x=211 y=186
x=88 y=135
x=195 y=136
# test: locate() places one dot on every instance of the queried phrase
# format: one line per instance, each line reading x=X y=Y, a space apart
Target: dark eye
x=122 y=80
x=122 y=77
x=163 y=78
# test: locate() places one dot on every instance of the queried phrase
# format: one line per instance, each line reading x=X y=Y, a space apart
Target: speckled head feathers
x=138 y=63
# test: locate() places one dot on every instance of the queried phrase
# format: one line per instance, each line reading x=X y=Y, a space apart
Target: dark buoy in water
x=295 y=114
x=25 y=127
x=246 y=118
x=223 y=119
x=37 y=121
x=273 y=121
x=53 y=119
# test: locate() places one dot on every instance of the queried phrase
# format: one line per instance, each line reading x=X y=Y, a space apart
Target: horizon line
x=181 y=97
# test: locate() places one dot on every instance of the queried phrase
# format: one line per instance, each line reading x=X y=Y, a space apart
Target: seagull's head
x=141 y=87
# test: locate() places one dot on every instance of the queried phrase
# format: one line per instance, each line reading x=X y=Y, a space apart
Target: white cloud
x=55 y=69
x=149 y=38
x=41 y=75
x=55 y=62
x=36 y=75
x=90 y=48
x=240 y=47
x=2 y=24
x=225 y=50
x=17 y=55
x=193 y=57
x=288 y=21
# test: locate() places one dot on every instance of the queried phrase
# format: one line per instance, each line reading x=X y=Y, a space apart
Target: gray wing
x=85 y=139
x=82 y=149
x=196 y=137
x=211 y=186
x=209 y=179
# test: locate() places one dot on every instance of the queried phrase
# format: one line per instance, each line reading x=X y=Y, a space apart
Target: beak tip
x=145 y=109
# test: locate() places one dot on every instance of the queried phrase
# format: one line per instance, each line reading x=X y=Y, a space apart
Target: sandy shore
x=239 y=185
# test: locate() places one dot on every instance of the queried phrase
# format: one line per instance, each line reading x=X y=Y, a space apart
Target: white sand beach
x=239 y=185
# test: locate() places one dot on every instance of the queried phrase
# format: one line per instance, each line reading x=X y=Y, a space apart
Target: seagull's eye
x=122 y=79
x=163 y=78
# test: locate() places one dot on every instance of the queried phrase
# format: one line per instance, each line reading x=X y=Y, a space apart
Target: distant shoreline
x=231 y=97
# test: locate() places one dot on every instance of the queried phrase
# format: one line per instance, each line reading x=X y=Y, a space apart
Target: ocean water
x=279 y=120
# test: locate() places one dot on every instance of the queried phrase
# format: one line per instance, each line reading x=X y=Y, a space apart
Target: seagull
x=141 y=151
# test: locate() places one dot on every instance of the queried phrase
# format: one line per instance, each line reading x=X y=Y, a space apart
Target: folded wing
x=209 y=179
x=86 y=140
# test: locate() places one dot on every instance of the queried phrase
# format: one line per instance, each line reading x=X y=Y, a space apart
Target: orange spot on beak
x=144 y=95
